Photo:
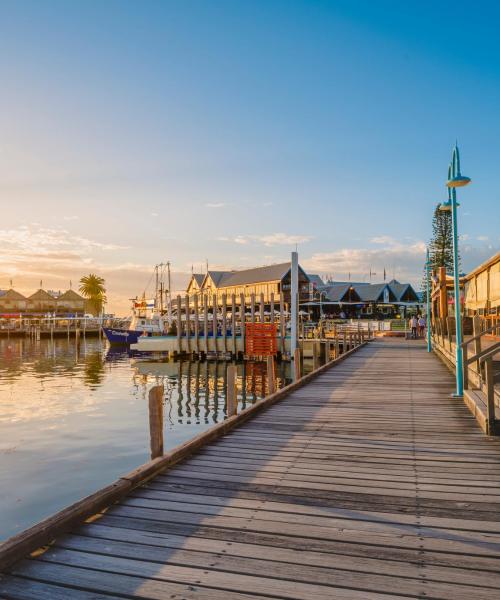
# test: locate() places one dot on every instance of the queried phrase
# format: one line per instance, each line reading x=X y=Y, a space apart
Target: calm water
x=74 y=419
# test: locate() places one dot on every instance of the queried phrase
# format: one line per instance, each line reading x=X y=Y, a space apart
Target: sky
x=133 y=133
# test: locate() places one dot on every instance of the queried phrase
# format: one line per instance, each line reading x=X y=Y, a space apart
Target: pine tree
x=441 y=244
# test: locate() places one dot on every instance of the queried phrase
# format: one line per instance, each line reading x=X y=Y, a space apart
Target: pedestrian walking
x=421 y=326
x=414 y=325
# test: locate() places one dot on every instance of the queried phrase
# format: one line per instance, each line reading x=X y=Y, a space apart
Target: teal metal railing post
x=456 y=290
x=456 y=179
x=428 y=298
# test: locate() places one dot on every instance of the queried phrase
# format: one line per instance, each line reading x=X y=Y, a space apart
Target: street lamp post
x=428 y=298
x=456 y=179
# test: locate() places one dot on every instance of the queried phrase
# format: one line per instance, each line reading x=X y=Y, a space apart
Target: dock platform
x=370 y=481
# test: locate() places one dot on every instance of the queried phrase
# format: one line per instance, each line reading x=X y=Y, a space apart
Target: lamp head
x=447 y=206
x=458 y=181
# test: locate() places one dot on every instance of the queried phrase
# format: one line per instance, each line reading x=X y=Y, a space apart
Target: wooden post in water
x=231 y=394
x=179 y=323
x=344 y=342
x=188 y=325
x=252 y=308
x=214 y=320
x=271 y=308
x=224 y=322
x=156 y=420
x=196 y=324
x=205 y=321
x=337 y=347
x=233 y=321
x=242 y=320
x=261 y=307
x=271 y=375
x=296 y=364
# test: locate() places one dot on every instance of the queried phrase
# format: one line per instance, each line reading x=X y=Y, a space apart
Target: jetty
x=363 y=479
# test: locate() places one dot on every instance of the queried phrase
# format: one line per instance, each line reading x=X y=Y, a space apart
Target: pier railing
x=478 y=351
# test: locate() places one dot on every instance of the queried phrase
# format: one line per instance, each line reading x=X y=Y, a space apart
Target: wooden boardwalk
x=369 y=482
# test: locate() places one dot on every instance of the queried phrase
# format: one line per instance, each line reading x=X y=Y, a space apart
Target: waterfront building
x=71 y=302
x=195 y=283
x=269 y=280
x=12 y=302
x=42 y=302
x=317 y=284
x=371 y=300
x=482 y=290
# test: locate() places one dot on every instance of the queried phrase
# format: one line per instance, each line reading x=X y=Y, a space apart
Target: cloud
x=482 y=238
x=70 y=218
x=215 y=204
x=272 y=239
x=36 y=241
x=32 y=252
x=404 y=260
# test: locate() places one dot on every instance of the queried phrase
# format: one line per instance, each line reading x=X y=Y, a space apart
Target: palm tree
x=92 y=288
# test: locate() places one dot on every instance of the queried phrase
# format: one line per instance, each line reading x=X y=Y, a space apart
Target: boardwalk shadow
x=304 y=499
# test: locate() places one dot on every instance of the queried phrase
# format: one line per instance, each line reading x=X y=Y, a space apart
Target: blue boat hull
x=122 y=336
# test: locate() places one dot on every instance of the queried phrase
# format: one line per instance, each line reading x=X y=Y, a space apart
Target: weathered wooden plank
x=216 y=580
x=369 y=482
x=411 y=583
x=100 y=534
x=16 y=588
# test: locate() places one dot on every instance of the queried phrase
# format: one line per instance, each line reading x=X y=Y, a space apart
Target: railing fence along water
x=478 y=367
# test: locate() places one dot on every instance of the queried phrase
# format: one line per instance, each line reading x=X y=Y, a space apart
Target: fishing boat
x=147 y=315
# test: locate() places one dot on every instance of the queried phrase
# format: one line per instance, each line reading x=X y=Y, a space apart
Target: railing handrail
x=484 y=353
x=491 y=351
x=479 y=335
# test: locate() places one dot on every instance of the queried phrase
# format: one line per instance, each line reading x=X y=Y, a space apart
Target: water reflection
x=201 y=388
x=74 y=417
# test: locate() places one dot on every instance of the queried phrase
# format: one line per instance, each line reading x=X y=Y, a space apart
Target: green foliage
x=441 y=244
x=92 y=288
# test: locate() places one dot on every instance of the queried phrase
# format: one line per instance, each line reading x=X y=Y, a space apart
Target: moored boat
x=142 y=324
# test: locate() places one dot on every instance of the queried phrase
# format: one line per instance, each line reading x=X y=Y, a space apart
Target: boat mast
x=169 y=292
x=156 y=287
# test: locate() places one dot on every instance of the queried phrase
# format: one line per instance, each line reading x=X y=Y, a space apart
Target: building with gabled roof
x=316 y=281
x=195 y=283
x=41 y=301
x=12 y=302
x=366 y=299
x=71 y=302
x=272 y=281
